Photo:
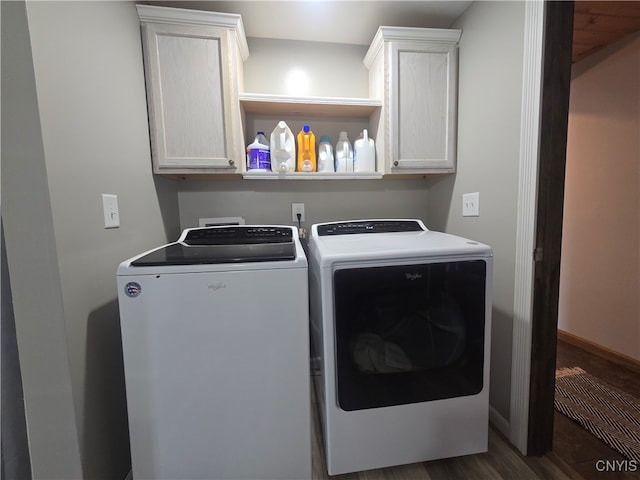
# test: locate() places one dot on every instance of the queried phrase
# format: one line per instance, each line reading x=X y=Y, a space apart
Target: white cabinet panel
x=414 y=71
x=421 y=118
x=192 y=107
x=192 y=94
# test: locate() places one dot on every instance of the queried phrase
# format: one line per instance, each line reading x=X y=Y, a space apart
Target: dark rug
x=609 y=414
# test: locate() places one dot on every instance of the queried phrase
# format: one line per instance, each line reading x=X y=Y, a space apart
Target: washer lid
x=212 y=245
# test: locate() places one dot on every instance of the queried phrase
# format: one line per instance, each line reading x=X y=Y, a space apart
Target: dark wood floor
x=574 y=445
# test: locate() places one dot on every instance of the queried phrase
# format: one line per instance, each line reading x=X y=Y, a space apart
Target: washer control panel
x=237 y=235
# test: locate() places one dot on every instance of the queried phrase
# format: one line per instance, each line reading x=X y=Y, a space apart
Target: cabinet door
x=423 y=107
x=190 y=98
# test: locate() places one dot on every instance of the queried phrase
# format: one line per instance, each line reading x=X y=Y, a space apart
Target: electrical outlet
x=471 y=204
x=297 y=208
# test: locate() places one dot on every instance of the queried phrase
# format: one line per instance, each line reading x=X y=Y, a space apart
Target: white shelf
x=254 y=175
x=324 y=110
x=266 y=104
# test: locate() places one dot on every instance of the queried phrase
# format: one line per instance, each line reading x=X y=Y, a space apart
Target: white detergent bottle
x=325 y=155
x=344 y=154
x=283 y=149
x=258 y=157
x=364 y=154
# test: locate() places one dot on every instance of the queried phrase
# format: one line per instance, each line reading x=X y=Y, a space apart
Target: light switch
x=111 y=212
x=471 y=204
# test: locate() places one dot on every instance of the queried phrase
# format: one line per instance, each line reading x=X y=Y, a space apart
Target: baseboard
x=500 y=423
x=600 y=351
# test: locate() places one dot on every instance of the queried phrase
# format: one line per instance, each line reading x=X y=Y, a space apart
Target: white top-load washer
x=216 y=355
x=400 y=320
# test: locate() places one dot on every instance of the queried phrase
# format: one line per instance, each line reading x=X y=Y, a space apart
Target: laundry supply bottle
x=306 y=150
x=364 y=154
x=325 y=155
x=344 y=154
x=258 y=154
x=283 y=149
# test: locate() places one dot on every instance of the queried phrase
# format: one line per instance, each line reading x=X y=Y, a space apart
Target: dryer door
x=409 y=333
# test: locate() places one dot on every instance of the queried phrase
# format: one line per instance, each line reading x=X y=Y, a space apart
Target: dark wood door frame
x=556 y=71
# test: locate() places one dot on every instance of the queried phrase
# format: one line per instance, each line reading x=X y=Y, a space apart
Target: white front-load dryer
x=400 y=318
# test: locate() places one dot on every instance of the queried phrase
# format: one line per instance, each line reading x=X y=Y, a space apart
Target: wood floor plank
x=440 y=469
x=505 y=460
x=550 y=466
x=475 y=467
x=413 y=471
x=377 y=474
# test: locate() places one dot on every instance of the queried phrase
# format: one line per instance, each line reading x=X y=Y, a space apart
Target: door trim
x=527 y=190
x=545 y=106
x=554 y=121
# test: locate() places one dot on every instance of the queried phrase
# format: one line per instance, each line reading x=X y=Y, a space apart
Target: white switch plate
x=471 y=204
x=111 y=212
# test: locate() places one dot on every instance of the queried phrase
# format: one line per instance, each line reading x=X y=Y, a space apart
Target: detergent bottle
x=283 y=149
x=325 y=155
x=364 y=154
x=344 y=154
x=258 y=155
x=306 y=150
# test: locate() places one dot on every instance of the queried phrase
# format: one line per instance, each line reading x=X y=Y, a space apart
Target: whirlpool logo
x=413 y=276
x=214 y=287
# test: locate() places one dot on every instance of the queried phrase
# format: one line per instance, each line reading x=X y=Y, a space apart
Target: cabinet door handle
x=231 y=162
x=395 y=163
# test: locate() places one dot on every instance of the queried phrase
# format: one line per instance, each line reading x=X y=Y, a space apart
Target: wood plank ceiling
x=597 y=24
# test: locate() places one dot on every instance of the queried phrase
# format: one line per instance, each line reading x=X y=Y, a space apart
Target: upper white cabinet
x=413 y=71
x=200 y=119
x=193 y=69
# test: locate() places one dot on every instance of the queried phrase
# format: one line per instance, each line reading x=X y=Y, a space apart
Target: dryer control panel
x=369 y=226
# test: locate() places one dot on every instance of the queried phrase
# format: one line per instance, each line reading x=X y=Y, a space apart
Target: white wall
x=32 y=262
x=325 y=200
x=91 y=109
x=331 y=69
x=15 y=447
x=600 y=269
x=490 y=91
